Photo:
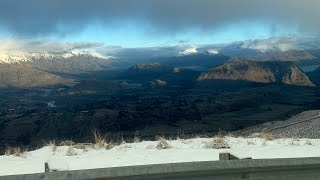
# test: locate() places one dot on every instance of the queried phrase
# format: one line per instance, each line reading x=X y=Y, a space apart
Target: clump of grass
x=267 y=136
x=67 y=143
x=251 y=142
x=100 y=140
x=121 y=140
x=181 y=135
x=53 y=145
x=16 y=151
x=217 y=143
x=163 y=143
x=294 y=142
x=20 y=152
x=136 y=138
x=221 y=134
x=8 y=151
x=308 y=142
x=71 y=151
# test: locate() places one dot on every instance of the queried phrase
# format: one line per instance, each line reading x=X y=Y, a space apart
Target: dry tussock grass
x=163 y=143
x=53 y=145
x=16 y=151
x=308 y=142
x=267 y=136
x=71 y=151
x=136 y=138
x=67 y=143
x=251 y=142
x=100 y=141
x=181 y=135
x=217 y=143
x=294 y=142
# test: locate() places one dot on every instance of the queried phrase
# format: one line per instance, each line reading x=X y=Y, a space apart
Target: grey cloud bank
x=12 y=45
x=42 y=17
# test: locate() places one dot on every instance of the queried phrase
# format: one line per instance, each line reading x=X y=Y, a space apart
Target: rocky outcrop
x=303 y=125
x=259 y=72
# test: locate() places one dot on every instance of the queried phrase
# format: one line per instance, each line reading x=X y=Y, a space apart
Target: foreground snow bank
x=146 y=152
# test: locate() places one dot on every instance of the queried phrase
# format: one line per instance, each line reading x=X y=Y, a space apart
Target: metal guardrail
x=247 y=169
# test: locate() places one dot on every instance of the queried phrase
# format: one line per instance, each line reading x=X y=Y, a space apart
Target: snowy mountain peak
x=18 y=57
x=213 y=51
x=83 y=53
x=188 y=51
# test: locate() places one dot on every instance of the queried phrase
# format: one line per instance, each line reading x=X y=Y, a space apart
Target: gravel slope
x=303 y=125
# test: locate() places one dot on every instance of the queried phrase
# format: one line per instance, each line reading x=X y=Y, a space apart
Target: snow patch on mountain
x=188 y=51
x=213 y=51
x=83 y=52
x=18 y=57
x=12 y=58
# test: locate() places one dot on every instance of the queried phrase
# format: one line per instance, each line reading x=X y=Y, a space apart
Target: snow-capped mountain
x=193 y=50
x=33 y=69
x=18 y=57
x=74 y=61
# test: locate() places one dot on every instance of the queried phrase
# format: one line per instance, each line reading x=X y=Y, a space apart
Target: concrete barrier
x=258 y=169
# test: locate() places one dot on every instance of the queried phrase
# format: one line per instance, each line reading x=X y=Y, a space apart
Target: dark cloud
x=42 y=17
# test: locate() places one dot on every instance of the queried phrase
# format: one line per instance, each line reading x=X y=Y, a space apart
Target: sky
x=155 y=23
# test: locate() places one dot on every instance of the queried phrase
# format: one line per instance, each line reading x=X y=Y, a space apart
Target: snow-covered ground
x=130 y=154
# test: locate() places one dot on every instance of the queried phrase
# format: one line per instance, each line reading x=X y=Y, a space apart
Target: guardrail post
x=228 y=156
x=46 y=167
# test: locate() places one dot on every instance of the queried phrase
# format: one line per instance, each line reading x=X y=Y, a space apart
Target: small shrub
x=217 y=143
x=71 y=151
x=163 y=143
x=266 y=136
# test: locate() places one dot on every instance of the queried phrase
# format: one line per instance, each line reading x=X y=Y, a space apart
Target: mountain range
x=285 y=72
x=51 y=68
